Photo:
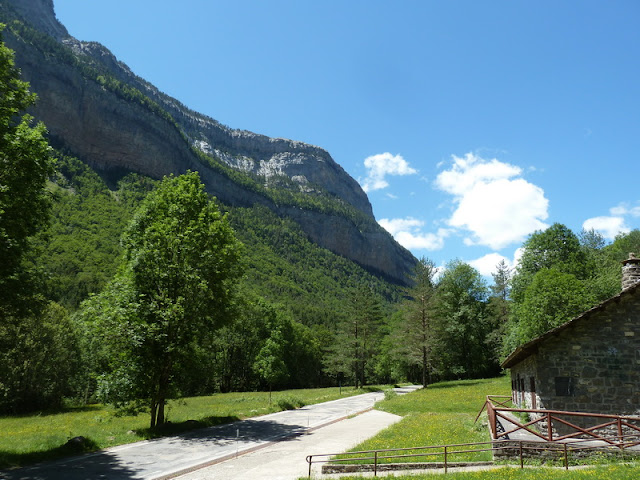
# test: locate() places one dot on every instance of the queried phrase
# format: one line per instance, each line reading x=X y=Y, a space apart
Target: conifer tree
x=417 y=334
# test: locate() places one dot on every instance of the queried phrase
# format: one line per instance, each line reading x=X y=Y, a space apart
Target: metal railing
x=373 y=460
x=374 y=457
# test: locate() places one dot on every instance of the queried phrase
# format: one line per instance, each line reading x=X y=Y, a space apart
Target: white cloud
x=486 y=265
x=609 y=227
x=408 y=233
x=395 y=225
x=380 y=166
x=494 y=207
x=472 y=170
x=517 y=256
x=624 y=209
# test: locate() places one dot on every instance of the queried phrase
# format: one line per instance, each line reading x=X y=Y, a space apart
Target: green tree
x=37 y=341
x=604 y=279
x=552 y=298
x=356 y=341
x=269 y=363
x=232 y=351
x=38 y=360
x=462 y=327
x=417 y=336
x=559 y=276
x=25 y=164
x=182 y=264
x=499 y=307
x=556 y=247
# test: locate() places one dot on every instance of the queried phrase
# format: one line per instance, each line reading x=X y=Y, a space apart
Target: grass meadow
x=444 y=413
x=608 y=472
x=31 y=438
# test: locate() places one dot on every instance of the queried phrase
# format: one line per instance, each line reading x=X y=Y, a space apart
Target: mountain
x=98 y=110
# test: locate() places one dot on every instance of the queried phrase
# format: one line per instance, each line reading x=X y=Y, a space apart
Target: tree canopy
x=25 y=164
x=175 y=288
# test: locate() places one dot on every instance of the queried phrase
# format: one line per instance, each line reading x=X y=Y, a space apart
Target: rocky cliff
x=115 y=121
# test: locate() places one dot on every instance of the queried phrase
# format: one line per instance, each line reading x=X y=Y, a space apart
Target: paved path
x=167 y=457
x=286 y=460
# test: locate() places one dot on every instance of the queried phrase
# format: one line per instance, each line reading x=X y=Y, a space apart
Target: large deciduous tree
x=182 y=263
x=25 y=164
x=551 y=283
x=556 y=247
x=37 y=347
x=462 y=326
x=552 y=298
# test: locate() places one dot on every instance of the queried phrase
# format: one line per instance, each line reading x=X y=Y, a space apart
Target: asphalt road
x=171 y=456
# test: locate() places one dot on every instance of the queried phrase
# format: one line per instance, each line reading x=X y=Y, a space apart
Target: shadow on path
x=147 y=460
x=93 y=466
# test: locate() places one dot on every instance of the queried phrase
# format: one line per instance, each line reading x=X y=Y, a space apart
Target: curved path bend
x=171 y=457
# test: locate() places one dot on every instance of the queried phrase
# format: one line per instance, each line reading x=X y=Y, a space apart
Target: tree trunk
x=161 y=394
x=160 y=419
x=424 y=367
x=154 y=406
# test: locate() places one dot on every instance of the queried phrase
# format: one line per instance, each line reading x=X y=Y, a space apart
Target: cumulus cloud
x=487 y=264
x=609 y=227
x=471 y=170
x=382 y=165
x=408 y=233
x=496 y=208
x=624 y=209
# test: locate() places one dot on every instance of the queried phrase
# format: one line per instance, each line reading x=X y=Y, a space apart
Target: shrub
x=290 y=403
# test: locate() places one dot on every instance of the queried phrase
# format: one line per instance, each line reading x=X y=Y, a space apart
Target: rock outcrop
x=113 y=133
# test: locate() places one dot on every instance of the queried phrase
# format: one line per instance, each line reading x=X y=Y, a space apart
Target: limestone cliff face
x=111 y=133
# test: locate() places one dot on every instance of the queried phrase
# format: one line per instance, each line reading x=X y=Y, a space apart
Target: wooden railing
x=544 y=421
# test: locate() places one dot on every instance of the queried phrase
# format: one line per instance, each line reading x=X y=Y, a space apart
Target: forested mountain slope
x=100 y=112
x=80 y=252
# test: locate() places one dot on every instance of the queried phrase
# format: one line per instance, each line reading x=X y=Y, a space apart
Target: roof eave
x=526 y=349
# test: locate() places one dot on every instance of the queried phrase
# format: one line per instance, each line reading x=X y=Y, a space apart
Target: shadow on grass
x=169 y=429
x=371 y=389
x=82 y=445
x=128 y=463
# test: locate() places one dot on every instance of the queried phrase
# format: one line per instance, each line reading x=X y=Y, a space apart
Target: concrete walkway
x=286 y=460
x=171 y=456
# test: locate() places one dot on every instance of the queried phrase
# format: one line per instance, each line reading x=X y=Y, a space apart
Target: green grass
x=442 y=414
x=610 y=472
x=33 y=438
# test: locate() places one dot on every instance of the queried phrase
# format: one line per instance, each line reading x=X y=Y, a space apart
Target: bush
x=290 y=403
x=389 y=394
x=38 y=355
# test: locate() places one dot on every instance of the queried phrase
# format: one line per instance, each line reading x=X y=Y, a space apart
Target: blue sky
x=470 y=124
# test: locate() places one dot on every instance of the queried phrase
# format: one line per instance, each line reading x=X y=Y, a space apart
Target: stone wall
x=522 y=374
x=593 y=365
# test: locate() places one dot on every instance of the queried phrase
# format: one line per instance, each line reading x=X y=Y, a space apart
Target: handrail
x=491 y=398
x=551 y=416
x=447 y=451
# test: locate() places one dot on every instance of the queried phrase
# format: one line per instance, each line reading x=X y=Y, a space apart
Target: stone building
x=589 y=364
